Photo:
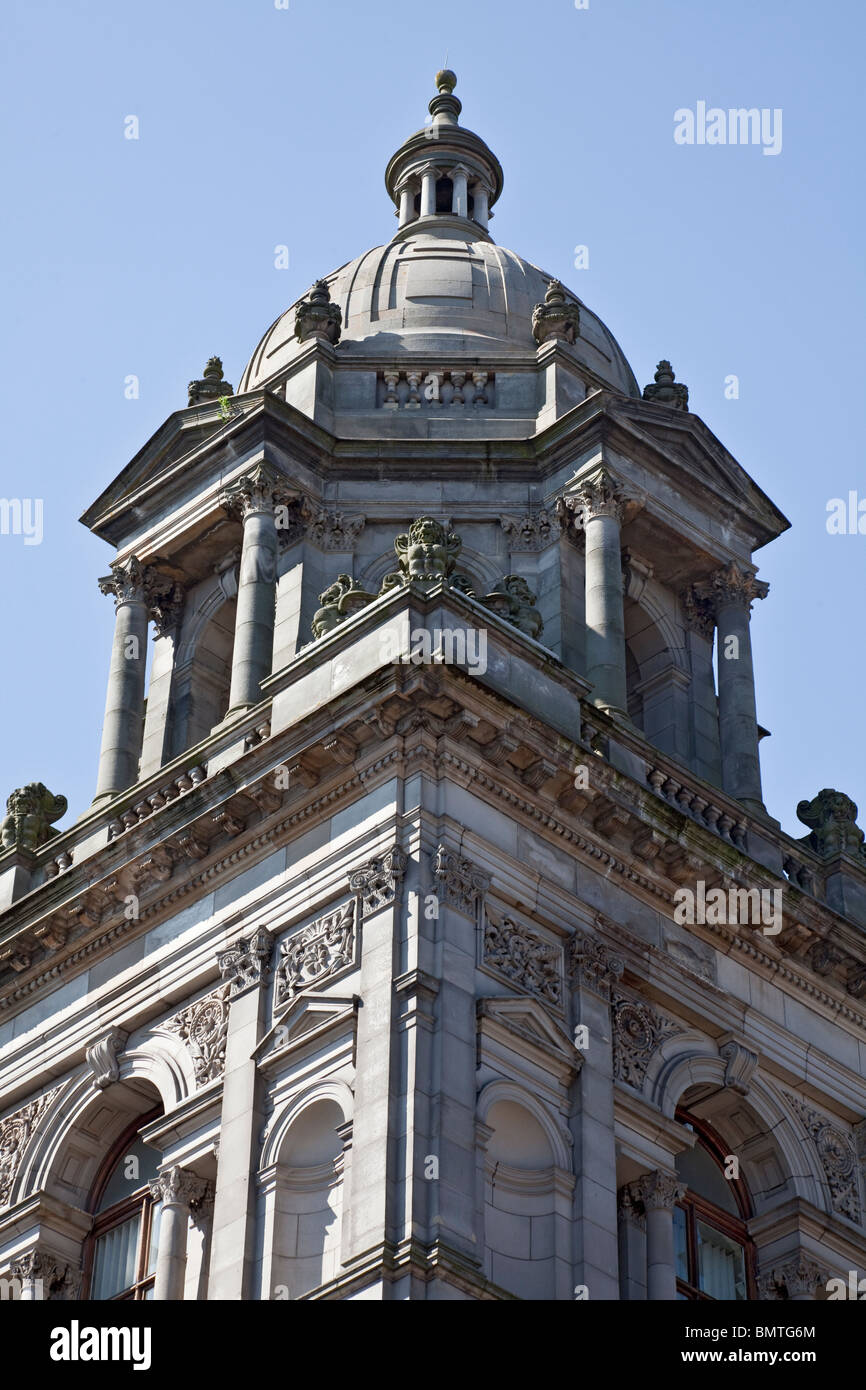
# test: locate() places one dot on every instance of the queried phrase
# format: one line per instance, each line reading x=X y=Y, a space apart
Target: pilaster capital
x=256 y=492
x=630 y=1205
x=58 y=1280
x=730 y=585
x=659 y=1191
x=245 y=963
x=178 y=1187
x=378 y=881
x=593 y=966
x=699 y=611
x=797 y=1277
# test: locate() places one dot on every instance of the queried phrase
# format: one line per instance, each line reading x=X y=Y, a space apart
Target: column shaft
x=659 y=1192
x=738 y=718
x=124 y=703
x=428 y=193
x=605 y=621
x=171 y=1255
x=253 y=497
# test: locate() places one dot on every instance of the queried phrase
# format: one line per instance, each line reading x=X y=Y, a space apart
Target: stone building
x=428 y=936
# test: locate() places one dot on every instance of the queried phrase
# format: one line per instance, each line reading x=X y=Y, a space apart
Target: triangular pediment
x=306 y=1019
x=528 y=1022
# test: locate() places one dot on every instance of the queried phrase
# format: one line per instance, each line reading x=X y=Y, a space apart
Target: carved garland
x=837 y=1155
x=317 y=953
x=203 y=1028
x=523 y=958
x=16 y=1131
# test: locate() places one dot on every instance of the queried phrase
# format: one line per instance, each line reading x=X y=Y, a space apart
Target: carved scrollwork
x=461 y=885
x=203 y=1028
x=638 y=1030
x=377 y=882
x=316 y=953
x=522 y=957
x=837 y=1155
x=16 y=1131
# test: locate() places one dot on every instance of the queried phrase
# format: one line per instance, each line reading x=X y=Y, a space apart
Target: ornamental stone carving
x=523 y=958
x=740 y=1064
x=377 y=882
x=533 y=531
x=16 y=1131
x=211 y=386
x=427 y=552
x=658 y=1191
x=630 y=1206
x=796 y=1278
x=638 y=1030
x=29 y=813
x=597 y=494
x=832 y=818
x=244 y=964
x=460 y=885
x=166 y=605
x=837 y=1155
x=55 y=1280
x=341 y=600
x=514 y=601
x=129 y=582
x=317 y=317
x=558 y=318
x=257 y=491
x=592 y=965
x=316 y=953
x=699 y=612
x=664 y=390
x=203 y=1027
x=334 y=530
x=102 y=1057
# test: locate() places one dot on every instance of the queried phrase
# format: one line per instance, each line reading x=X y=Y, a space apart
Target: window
x=713 y=1254
x=120 y=1258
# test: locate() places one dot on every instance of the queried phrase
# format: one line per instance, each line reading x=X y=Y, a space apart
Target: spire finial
x=445 y=80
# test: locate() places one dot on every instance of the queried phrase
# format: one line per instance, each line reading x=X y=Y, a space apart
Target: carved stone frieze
x=533 y=531
x=334 y=530
x=638 y=1030
x=316 y=953
x=203 y=1027
x=244 y=964
x=838 y=1158
x=523 y=958
x=460 y=884
x=378 y=881
x=592 y=965
x=16 y=1131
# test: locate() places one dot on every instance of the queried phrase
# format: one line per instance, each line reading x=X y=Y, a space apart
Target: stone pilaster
x=594 y=970
x=731 y=592
x=253 y=498
x=659 y=1192
x=122 y=727
x=241 y=1121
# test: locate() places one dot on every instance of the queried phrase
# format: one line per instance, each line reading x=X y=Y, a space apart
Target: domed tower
x=403 y=942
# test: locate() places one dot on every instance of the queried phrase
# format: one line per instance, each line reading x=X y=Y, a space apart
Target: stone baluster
x=732 y=591
x=457 y=381
x=123 y=725
x=179 y=1192
x=659 y=1192
x=391 y=379
x=479 y=380
x=252 y=497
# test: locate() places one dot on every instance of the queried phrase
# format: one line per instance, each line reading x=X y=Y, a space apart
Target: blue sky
x=262 y=126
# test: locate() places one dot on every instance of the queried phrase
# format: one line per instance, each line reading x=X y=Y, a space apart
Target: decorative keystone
x=665 y=390
x=211 y=386
x=317 y=316
x=29 y=813
x=558 y=318
x=832 y=818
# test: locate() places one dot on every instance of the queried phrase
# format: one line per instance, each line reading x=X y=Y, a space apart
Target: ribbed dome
x=435 y=291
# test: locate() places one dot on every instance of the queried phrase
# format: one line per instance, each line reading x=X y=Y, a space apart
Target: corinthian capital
x=659 y=1191
x=180 y=1187
x=731 y=585
x=256 y=492
x=596 y=494
x=129 y=581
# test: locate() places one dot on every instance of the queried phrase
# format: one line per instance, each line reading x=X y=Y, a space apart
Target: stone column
x=594 y=970
x=428 y=192
x=178 y=1191
x=459 y=198
x=732 y=591
x=659 y=1192
x=596 y=505
x=124 y=703
x=241 y=1123
x=252 y=498
x=407 y=209
x=480 y=211
x=632 y=1247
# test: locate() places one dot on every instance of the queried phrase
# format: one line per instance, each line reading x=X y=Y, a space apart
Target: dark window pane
x=134 y=1170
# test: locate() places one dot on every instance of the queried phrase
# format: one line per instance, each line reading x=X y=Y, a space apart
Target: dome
x=437 y=291
x=441 y=287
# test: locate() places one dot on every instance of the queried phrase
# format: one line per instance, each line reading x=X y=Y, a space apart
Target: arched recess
x=526 y=1190
x=657 y=676
x=202 y=666
x=302 y=1180
x=749 y=1115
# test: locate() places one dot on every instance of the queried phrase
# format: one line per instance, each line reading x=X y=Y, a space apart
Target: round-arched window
x=713 y=1253
x=120 y=1256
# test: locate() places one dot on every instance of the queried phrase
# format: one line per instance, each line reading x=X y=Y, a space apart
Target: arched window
x=714 y=1255
x=120 y=1254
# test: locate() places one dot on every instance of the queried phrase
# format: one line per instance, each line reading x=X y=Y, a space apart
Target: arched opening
x=200 y=697
x=519 y=1205
x=715 y=1259
x=120 y=1252
x=309 y=1205
x=657 y=685
x=444 y=195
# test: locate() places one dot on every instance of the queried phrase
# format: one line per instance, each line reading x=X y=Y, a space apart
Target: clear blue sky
x=261 y=126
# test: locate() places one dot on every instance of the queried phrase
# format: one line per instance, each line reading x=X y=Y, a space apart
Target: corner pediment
x=524 y=1024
